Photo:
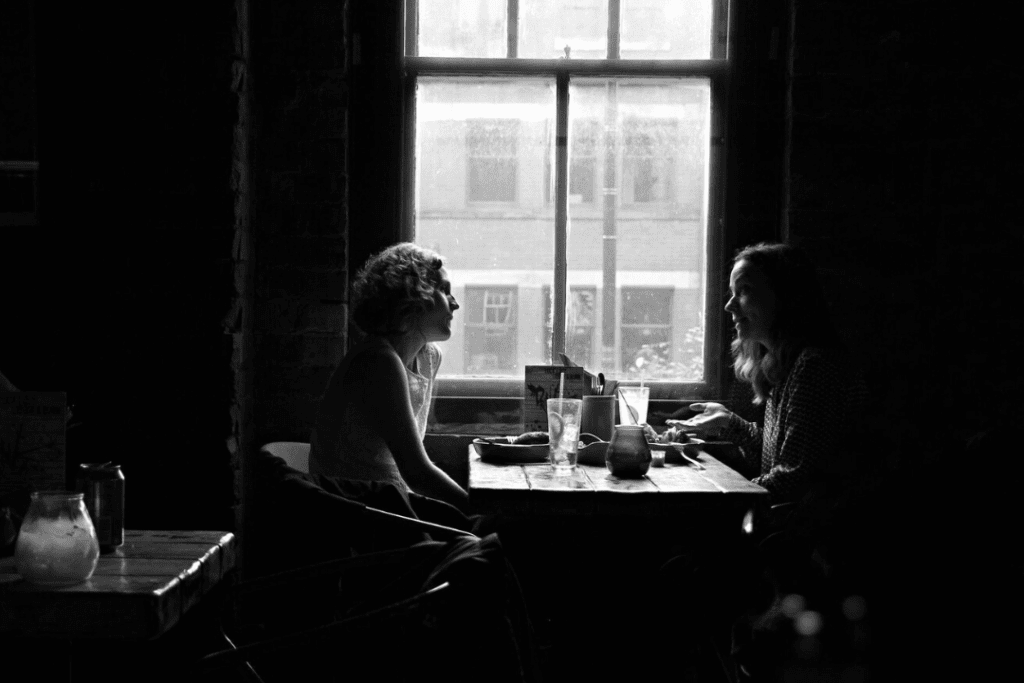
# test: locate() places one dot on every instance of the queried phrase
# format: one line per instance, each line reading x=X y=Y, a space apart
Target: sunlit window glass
x=666 y=29
x=462 y=28
x=548 y=27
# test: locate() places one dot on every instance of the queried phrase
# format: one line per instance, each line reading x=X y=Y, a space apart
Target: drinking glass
x=637 y=398
x=564 y=433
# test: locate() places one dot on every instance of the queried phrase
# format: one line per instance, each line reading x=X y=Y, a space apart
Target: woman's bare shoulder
x=373 y=359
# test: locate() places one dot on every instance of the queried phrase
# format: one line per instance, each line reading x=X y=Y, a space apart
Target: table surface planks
x=137 y=592
x=533 y=490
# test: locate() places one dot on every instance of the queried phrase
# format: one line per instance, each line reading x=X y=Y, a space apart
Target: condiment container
x=57 y=543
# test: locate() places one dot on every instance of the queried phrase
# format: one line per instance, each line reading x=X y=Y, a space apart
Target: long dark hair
x=801 y=316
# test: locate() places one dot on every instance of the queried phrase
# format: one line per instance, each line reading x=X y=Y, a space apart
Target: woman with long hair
x=787 y=349
x=373 y=417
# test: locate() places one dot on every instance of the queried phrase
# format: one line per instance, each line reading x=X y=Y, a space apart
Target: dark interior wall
x=300 y=226
x=905 y=140
x=129 y=294
x=905 y=119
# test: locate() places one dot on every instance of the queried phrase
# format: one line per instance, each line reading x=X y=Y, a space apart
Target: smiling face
x=752 y=304
x=435 y=323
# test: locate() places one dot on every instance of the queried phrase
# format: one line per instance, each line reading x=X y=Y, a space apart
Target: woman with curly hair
x=373 y=416
x=787 y=348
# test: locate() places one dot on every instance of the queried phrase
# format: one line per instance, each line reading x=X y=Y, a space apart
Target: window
x=491 y=158
x=564 y=160
x=582 y=164
x=490 y=314
x=580 y=325
x=646 y=331
x=649 y=168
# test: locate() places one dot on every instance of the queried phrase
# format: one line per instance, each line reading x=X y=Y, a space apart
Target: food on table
x=652 y=436
x=531 y=438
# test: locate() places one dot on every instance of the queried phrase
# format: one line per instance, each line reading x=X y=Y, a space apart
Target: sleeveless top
x=344 y=445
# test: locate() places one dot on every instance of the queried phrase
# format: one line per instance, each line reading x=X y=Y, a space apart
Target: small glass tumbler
x=57 y=544
x=637 y=399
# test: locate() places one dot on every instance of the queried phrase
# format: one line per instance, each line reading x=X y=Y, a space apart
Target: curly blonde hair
x=393 y=284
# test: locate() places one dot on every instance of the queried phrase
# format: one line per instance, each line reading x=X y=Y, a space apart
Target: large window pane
x=666 y=29
x=462 y=28
x=482 y=151
x=548 y=27
x=647 y=232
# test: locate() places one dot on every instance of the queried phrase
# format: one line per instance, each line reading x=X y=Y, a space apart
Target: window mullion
x=561 y=215
x=512 y=33
x=411 y=28
x=614 y=15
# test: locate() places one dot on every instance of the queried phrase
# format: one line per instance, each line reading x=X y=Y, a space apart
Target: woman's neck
x=407 y=346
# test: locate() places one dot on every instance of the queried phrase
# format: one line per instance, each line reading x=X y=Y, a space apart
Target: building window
x=490 y=320
x=581 y=325
x=646 y=331
x=582 y=164
x=649 y=165
x=564 y=152
x=491 y=159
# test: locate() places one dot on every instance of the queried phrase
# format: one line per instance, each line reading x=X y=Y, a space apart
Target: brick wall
x=300 y=219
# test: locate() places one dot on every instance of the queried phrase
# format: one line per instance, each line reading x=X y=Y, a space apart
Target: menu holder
x=542 y=382
x=32 y=441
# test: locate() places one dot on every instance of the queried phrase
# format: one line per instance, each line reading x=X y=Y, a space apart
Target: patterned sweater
x=808 y=433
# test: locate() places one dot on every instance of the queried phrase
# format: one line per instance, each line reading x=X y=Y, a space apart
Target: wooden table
x=137 y=592
x=588 y=549
x=533 y=491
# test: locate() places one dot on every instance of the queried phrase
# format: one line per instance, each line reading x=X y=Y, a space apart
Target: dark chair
x=321 y=570
x=356 y=640
x=350 y=581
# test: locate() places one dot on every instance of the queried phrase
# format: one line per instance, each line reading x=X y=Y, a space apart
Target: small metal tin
x=102 y=484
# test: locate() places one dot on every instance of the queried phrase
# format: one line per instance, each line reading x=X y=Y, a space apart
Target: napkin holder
x=542 y=382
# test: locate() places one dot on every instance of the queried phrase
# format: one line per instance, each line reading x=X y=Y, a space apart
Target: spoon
x=634 y=415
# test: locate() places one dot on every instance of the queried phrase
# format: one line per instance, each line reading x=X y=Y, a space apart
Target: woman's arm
x=379 y=379
x=715 y=421
x=746 y=435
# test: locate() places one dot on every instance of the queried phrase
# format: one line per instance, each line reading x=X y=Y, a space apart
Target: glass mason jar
x=57 y=544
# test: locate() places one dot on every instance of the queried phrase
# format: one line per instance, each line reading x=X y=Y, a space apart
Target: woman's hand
x=709 y=424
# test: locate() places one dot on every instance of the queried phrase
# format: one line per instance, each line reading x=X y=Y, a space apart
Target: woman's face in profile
x=752 y=304
x=435 y=323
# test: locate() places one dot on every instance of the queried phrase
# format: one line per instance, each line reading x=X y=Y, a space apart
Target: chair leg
x=248 y=673
x=730 y=671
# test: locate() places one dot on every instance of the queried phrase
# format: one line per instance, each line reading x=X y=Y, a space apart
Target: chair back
x=294 y=453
